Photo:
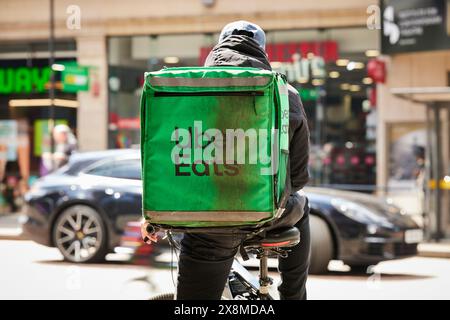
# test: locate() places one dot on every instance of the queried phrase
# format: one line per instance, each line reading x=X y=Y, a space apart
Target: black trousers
x=206 y=260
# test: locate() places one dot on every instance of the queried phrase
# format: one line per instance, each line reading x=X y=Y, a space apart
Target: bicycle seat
x=278 y=238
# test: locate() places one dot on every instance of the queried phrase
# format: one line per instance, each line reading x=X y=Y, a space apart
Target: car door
x=119 y=187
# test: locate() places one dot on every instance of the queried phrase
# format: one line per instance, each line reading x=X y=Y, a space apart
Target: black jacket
x=243 y=51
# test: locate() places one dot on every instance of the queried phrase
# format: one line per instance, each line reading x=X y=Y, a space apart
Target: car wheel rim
x=79 y=235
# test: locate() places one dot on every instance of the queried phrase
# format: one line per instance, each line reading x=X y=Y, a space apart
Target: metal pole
x=427 y=206
x=51 y=62
x=264 y=280
x=437 y=169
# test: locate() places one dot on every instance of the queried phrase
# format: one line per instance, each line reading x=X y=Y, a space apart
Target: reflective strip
x=209 y=82
x=207 y=216
x=278 y=244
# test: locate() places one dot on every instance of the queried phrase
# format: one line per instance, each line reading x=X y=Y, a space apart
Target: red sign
x=376 y=69
x=129 y=123
x=124 y=123
x=283 y=52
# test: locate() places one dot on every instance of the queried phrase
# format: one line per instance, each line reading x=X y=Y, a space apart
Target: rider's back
x=242 y=51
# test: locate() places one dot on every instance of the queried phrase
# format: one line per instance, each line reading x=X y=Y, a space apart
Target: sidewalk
x=435 y=250
x=10 y=226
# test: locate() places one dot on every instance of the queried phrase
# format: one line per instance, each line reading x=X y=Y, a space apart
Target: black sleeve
x=299 y=142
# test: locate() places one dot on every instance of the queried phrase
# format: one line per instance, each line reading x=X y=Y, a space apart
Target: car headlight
x=358 y=212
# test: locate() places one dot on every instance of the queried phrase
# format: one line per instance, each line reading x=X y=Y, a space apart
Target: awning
x=423 y=94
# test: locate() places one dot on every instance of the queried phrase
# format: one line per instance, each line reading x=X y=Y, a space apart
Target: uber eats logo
x=23 y=80
x=214 y=152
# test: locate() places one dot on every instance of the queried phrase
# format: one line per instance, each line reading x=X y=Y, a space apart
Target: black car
x=83 y=209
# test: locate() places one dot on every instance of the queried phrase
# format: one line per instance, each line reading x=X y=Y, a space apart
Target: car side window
x=122 y=169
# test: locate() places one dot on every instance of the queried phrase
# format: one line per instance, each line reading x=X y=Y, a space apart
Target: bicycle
x=241 y=284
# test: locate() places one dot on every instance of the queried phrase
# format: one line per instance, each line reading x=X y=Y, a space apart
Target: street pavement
x=10 y=225
x=31 y=271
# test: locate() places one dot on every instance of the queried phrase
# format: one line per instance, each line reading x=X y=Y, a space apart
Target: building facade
x=411 y=134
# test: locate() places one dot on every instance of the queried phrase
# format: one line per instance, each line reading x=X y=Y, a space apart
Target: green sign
x=23 y=80
x=308 y=94
x=75 y=78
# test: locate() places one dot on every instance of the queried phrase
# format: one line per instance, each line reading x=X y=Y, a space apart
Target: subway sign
x=24 y=80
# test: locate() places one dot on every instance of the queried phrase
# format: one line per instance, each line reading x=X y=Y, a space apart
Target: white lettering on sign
x=404 y=26
x=302 y=69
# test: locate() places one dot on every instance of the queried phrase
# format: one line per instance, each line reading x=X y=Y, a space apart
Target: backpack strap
x=286 y=192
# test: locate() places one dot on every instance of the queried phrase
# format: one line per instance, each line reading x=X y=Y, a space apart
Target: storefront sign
x=129 y=123
x=8 y=139
x=124 y=123
x=284 y=52
x=376 y=70
x=307 y=94
x=23 y=80
x=302 y=70
x=415 y=25
x=75 y=78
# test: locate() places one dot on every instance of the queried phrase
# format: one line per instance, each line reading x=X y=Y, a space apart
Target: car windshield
x=75 y=166
x=118 y=168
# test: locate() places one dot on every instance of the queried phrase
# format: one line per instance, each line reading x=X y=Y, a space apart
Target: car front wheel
x=80 y=235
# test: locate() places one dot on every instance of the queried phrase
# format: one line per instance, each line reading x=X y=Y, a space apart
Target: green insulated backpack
x=214 y=144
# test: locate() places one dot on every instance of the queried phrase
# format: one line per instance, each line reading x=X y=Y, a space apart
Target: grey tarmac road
x=31 y=271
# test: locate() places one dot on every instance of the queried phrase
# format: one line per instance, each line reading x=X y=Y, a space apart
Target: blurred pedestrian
x=420 y=176
x=11 y=193
x=65 y=144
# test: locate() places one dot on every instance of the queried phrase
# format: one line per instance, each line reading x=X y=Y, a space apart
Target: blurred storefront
x=25 y=113
x=413 y=141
